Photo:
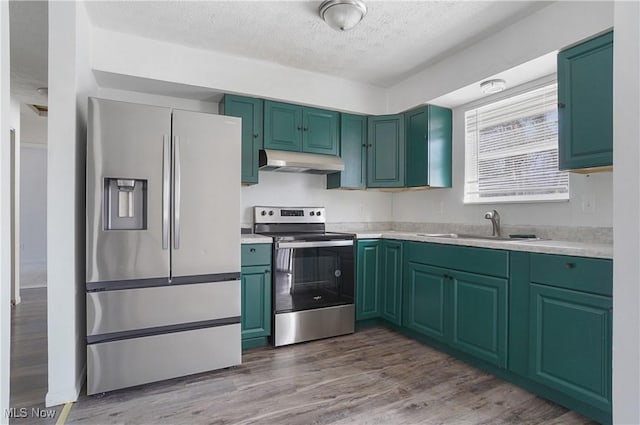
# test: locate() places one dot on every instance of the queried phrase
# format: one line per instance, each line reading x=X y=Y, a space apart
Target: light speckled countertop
x=580 y=249
x=249 y=238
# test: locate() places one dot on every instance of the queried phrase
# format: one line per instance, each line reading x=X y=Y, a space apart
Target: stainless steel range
x=313 y=277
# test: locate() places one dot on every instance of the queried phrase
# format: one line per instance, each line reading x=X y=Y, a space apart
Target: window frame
x=493 y=98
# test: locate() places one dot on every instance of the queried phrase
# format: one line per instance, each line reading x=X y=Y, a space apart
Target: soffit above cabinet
x=395 y=40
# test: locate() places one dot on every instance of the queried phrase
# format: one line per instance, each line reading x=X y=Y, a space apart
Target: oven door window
x=307 y=278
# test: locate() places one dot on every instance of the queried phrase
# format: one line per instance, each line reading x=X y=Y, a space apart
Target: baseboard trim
x=67 y=396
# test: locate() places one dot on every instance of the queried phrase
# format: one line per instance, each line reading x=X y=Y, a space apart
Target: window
x=511 y=150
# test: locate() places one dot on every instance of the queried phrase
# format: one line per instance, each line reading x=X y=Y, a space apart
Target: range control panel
x=289 y=215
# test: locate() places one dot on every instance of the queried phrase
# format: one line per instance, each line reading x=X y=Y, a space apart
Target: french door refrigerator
x=163 y=244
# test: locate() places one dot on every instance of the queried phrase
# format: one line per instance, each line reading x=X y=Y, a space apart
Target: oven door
x=313 y=274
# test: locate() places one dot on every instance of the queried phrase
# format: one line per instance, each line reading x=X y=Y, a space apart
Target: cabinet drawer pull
x=267 y=271
x=299 y=128
x=255 y=135
x=571 y=265
x=561 y=105
x=306 y=129
x=252 y=250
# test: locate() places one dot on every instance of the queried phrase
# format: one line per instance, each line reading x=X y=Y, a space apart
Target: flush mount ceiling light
x=342 y=15
x=492 y=86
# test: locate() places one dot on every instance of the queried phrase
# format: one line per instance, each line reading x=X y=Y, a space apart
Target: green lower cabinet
x=256 y=302
x=391 y=299
x=479 y=315
x=570 y=343
x=424 y=301
x=368 y=279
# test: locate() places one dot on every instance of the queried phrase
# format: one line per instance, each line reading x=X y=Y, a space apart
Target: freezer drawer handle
x=166 y=169
x=176 y=192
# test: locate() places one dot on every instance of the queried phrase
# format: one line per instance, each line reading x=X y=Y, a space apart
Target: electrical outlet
x=589 y=204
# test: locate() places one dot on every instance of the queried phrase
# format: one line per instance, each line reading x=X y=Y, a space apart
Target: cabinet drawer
x=256 y=254
x=579 y=273
x=492 y=262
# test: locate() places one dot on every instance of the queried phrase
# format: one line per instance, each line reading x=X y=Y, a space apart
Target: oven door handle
x=313 y=244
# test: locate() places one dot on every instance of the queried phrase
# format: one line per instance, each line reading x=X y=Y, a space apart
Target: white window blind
x=511 y=150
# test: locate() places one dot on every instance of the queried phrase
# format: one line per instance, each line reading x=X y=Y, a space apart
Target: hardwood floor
x=29 y=348
x=375 y=376
x=29 y=367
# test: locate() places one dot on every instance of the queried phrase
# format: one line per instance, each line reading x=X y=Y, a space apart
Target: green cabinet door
x=425 y=300
x=386 y=156
x=368 y=279
x=570 y=343
x=353 y=151
x=391 y=298
x=320 y=131
x=478 y=309
x=282 y=126
x=585 y=100
x=255 y=295
x=428 y=147
x=250 y=110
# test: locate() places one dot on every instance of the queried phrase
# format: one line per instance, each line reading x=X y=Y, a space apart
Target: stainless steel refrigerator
x=163 y=244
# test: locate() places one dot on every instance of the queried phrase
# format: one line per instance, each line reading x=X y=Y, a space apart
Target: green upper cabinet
x=585 y=100
x=353 y=151
x=296 y=128
x=386 y=156
x=429 y=142
x=391 y=297
x=368 y=279
x=282 y=126
x=320 y=131
x=250 y=110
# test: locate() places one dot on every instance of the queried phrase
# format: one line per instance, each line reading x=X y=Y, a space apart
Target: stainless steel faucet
x=495 y=221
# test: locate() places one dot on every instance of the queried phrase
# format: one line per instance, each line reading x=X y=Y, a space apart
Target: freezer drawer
x=144 y=308
x=129 y=362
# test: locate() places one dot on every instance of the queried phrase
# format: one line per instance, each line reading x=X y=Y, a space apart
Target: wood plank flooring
x=375 y=376
x=29 y=348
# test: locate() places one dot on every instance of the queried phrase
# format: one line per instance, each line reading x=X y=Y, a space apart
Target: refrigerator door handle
x=176 y=192
x=166 y=170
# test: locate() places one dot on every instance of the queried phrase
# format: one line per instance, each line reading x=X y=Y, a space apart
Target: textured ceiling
x=29 y=23
x=396 y=38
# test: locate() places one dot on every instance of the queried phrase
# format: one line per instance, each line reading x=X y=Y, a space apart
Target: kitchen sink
x=480 y=237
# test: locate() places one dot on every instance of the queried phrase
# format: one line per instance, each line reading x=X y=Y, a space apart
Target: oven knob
x=270 y=212
x=263 y=212
x=318 y=214
x=311 y=213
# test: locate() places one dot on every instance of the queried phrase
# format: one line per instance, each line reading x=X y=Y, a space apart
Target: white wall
x=70 y=84
x=446 y=205
x=121 y=53
x=549 y=29
x=295 y=189
x=153 y=99
x=626 y=213
x=33 y=211
x=5 y=248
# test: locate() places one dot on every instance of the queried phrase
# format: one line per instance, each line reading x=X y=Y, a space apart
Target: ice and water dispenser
x=125 y=204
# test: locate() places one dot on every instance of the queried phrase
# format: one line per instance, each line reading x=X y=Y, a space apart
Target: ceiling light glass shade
x=342 y=15
x=492 y=86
